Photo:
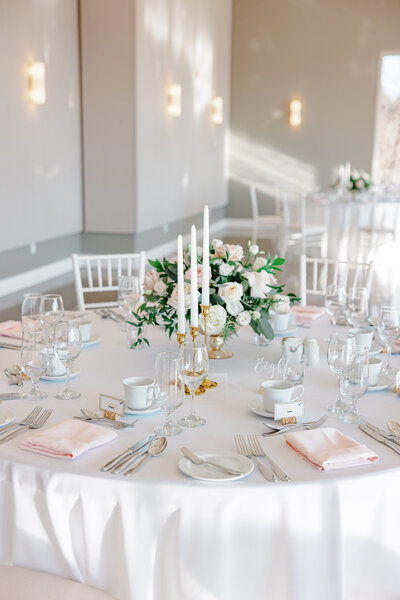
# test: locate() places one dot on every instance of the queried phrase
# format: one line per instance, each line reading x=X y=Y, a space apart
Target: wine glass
x=335 y=301
x=129 y=292
x=354 y=382
x=357 y=307
x=195 y=368
x=336 y=343
x=51 y=313
x=389 y=331
x=34 y=359
x=67 y=346
x=31 y=310
x=169 y=389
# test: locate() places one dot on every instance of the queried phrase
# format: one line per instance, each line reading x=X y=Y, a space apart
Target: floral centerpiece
x=243 y=289
x=359 y=180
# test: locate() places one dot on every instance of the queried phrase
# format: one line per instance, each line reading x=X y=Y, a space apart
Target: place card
x=112 y=407
x=288 y=409
x=396 y=388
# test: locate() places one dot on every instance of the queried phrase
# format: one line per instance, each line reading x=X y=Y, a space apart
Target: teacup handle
x=150 y=394
x=298 y=388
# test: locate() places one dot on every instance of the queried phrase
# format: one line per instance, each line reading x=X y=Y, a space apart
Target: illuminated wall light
x=174 y=105
x=295 y=113
x=217 y=110
x=37 y=82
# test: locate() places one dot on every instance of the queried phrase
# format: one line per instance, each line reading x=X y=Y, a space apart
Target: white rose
x=281 y=304
x=233 y=251
x=250 y=278
x=231 y=292
x=244 y=318
x=215 y=321
x=226 y=269
x=355 y=174
x=234 y=308
x=261 y=284
x=216 y=243
x=150 y=279
x=259 y=262
x=239 y=268
x=366 y=176
x=255 y=315
x=254 y=249
x=160 y=288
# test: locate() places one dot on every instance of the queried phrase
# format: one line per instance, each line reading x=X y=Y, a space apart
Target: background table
x=160 y=535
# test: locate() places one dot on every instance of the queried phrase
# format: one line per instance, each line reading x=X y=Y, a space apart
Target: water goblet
x=357 y=307
x=195 y=368
x=67 y=346
x=34 y=359
x=31 y=310
x=389 y=331
x=169 y=389
x=354 y=383
x=336 y=343
x=335 y=302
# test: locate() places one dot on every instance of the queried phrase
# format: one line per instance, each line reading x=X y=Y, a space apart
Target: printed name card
x=288 y=409
x=112 y=407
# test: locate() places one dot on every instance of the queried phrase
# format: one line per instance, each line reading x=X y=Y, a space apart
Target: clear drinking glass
x=67 y=346
x=195 y=368
x=389 y=331
x=34 y=359
x=335 y=302
x=292 y=371
x=357 y=307
x=129 y=293
x=336 y=343
x=169 y=389
x=354 y=382
x=31 y=310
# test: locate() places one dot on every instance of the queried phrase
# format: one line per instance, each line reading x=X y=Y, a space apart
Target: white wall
x=40 y=156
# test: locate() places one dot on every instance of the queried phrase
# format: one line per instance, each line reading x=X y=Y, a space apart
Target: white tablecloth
x=160 y=535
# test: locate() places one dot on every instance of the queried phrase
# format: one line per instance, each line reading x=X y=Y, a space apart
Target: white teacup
x=363 y=336
x=276 y=390
x=85 y=327
x=374 y=370
x=55 y=368
x=280 y=321
x=138 y=392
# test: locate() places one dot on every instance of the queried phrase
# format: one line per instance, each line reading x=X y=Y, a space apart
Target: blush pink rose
x=234 y=250
x=150 y=280
x=173 y=299
x=188 y=275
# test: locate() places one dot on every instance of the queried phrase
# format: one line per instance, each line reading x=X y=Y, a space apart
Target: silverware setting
x=36 y=419
x=257 y=450
x=109 y=313
x=379 y=437
x=389 y=436
x=128 y=453
x=93 y=417
x=289 y=428
x=199 y=461
x=10 y=396
x=155 y=449
x=10 y=346
x=244 y=450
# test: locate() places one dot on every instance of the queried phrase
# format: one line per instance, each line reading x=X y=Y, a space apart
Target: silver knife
x=383 y=433
x=199 y=461
x=128 y=452
x=10 y=396
x=379 y=438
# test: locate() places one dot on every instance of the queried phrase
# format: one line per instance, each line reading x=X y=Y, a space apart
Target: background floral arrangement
x=243 y=289
x=359 y=180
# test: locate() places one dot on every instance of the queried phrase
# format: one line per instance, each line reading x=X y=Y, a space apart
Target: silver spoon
x=155 y=449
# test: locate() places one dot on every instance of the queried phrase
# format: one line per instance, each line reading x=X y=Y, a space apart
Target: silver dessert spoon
x=155 y=449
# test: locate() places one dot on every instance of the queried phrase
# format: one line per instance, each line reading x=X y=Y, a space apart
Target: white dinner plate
x=145 y=411
x=60 y=377
x=210 y=473
x=256 y=406
x=375 y=349
x=382 y=384
x=92 y=342
x=6 y=416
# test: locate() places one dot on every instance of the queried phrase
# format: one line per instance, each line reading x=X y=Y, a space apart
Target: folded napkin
x=68 y=439
x=307 y=313
x=11 y=329
x=327 y=448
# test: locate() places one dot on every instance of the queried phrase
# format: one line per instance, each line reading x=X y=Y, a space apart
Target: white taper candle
x=205 y=291
x=181 y=288
x=194 y=314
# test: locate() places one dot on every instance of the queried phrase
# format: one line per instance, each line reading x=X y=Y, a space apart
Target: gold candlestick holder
x=181 y=338
x=205 y=310
x=194 y=332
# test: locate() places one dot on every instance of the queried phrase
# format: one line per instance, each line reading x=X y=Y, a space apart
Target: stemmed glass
x=129 y=292
x=169 y=389
x=389 y=331
x=357 y=307
x=31 y=310
x=34 y=359
x=195 y=368
x=67 y=346
x=337 y=365
x=335 y=301
x=354 y=382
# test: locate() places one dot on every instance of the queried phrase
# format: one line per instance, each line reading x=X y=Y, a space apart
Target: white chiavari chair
x=274 y=222
x=99 y=273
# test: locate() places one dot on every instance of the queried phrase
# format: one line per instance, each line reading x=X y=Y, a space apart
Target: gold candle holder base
x=205 y=310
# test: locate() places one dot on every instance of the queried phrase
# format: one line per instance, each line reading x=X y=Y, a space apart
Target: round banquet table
x=161 y=535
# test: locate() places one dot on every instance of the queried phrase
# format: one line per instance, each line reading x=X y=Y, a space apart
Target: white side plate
x=6 y=416
x=210 y=473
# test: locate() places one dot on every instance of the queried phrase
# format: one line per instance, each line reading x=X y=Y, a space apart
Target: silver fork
x=288 y=425
x=257 y=450
x=24 y=423
x=244 y=450
x=289 y=428
x=38 y=422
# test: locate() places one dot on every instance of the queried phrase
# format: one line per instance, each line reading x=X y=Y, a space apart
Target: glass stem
x=35 y=386
x=68 y=389
x=191 y=413
x=340 y=391
x=168 y=419
x=388 y=355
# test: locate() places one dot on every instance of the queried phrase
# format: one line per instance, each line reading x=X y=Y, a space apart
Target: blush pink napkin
x=307 y=313
x=11 y=329
x=68 y=439
x=327 y=448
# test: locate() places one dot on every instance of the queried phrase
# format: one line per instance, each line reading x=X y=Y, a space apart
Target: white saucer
x=375 y=349
x=60 y=377
x=288 y=331
x=382 y=384
x=92 y=342
x=6 y=416
x=257 y=408
x=145 y=411
x=76 y=314
x=210 y=473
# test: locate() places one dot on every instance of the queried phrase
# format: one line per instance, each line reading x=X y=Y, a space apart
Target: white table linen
x=160 y=535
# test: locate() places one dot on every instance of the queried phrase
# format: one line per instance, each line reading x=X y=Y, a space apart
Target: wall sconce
x=295 y=113
x=37 y=82
x=174 y=105
x=217 y=110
